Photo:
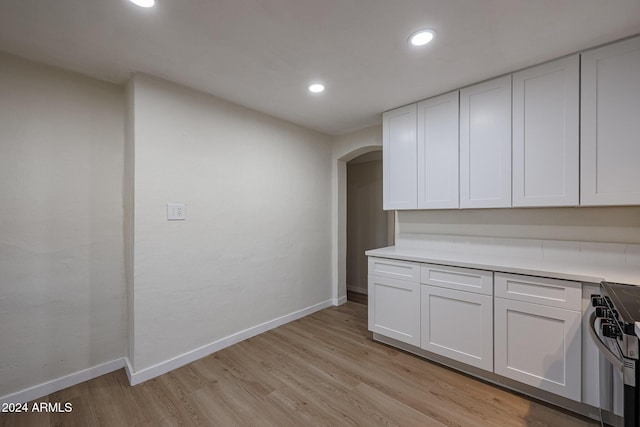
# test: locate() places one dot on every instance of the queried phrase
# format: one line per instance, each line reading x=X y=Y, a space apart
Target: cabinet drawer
x=539 y=290
x=462 y=279
x=394 y=269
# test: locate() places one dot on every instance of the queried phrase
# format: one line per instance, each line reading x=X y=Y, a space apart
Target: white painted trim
x=358 y=289
x=339 y=301
x=128 y=368
x=61 y=383
x=193 y=355
x=345 y=147
x=70 y=380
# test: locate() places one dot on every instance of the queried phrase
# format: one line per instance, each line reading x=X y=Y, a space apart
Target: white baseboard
x=339 y=301
x=66 y=381
x=128 y=368
x=358 y=289
x=61 y=383
x=191 y=356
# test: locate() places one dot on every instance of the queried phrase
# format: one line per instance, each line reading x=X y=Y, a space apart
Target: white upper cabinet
x=610 y=125
x=485 y=144
x=576 y=127
x=438 y=152
x=546 y=146
x=400 y=176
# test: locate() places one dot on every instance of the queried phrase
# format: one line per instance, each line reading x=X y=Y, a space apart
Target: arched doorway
x=346 y=148
x=368 y=225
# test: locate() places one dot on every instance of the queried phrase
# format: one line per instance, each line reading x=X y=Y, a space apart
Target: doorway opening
x=368 y=225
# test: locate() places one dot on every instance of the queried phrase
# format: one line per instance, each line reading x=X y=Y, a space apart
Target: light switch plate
x=176 y=212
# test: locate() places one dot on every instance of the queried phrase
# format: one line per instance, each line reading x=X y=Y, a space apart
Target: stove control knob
x=597 y=301
x=610 y=330
x=603 y=313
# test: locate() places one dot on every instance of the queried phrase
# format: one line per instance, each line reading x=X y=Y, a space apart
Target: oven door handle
x=611 y=356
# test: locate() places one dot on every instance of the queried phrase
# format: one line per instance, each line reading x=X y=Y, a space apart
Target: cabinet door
x=485 y=144
x=438 y=152
x=545 y=134
x=399 y=158
x=539 y=346
x=394 y=309
x=610 y=125
x=458 y=325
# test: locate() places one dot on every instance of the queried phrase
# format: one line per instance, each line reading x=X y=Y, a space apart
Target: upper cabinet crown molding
x=438 y=152
x=546 y=145
x=399 y=154
x=610 y=125
x=485 y=144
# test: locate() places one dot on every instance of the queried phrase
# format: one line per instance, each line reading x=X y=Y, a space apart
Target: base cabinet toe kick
x=525 y=333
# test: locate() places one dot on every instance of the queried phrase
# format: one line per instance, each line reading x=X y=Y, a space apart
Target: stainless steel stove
x=613 y=327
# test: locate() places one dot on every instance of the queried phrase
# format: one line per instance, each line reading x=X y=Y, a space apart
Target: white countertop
x=579 y=270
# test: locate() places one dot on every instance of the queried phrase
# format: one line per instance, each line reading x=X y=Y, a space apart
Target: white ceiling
x=263 y=53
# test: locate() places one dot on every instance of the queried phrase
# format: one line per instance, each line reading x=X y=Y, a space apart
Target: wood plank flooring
x=357 y=297
x=322 y=370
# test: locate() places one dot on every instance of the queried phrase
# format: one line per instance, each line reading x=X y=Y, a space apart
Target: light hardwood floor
x=322 y=370
x=357 y=297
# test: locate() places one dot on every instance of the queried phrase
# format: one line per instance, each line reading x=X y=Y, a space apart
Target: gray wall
x=256 y=244
x=62 y=287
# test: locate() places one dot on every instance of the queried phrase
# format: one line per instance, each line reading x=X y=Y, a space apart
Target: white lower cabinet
x=525 y=328
x=539 y=345
x=458 y=325
x=394 y=309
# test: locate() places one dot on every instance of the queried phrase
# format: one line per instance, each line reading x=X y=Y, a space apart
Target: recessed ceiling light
x=422 y=37
x=316 y=88
x=143 y=3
